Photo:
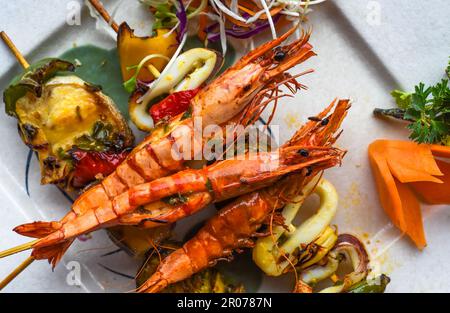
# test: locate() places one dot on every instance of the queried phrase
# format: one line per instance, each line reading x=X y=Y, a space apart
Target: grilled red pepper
x=173 y=104
x=88 y=164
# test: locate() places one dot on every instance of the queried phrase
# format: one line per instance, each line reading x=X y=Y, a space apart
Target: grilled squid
x=315 y=230
x=189 y=71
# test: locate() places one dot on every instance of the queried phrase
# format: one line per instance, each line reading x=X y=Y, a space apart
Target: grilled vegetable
x=133 y=49
x=347 y=248
x=374 y=285
x=138 y=241
x=32 y=80
x=90 y=165
x=207 y=281
x=57 y=114
x=172 y=105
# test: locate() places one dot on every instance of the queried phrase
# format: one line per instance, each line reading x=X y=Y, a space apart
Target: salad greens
x=165 y=12
x=130 y=84
x=221 y=19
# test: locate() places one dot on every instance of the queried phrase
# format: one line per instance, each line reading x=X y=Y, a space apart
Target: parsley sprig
x=427 y=109
x=448 y=69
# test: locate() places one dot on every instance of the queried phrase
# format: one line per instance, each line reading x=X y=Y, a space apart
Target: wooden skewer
x=21 y=59
x=14 y=50
x=25 y=65
x=22 y=266
x=17 y=249
x=16 y=272
x=102 y=11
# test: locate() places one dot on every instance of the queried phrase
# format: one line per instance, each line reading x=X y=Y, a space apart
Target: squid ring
x=267 y=256
x=190 y=70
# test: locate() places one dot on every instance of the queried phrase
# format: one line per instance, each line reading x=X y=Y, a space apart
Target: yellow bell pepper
x=132 y=49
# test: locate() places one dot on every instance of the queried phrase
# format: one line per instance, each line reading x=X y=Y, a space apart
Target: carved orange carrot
x=404 y=170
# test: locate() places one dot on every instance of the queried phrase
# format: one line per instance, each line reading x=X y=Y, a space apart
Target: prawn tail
x=53 y=253
x=38 y=229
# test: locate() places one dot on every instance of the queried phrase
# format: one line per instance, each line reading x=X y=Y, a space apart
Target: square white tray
x=365 y=49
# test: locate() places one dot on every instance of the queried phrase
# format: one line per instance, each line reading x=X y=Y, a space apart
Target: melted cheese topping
x=64 y=112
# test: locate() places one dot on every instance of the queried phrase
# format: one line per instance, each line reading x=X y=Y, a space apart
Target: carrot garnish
x=412 y=215
x=440 y=151
x=433 y=193
x=404 y=169
x=387 y=190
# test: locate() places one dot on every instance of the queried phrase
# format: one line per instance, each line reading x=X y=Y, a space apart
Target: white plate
x=365 y=49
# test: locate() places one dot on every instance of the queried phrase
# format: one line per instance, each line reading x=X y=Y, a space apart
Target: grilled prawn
x=237 y=224
x=220 y=181
x=226 y=100
x=304 y=154
x=234 y=97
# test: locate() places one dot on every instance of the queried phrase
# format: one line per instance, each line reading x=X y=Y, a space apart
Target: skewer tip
x=20 y=58
x=98 y=6
x=16 y=272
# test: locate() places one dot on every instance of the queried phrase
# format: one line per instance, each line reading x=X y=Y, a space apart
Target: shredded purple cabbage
x=182 y=18
x=240 y=32
x=211 y=27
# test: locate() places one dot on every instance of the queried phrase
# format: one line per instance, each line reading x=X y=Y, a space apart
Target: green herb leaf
x=175 y=199
x=103 y=138
x=130 y=84
x=165 y=16
x=448 y=69
x=187 y=114
x=209 y=186
x=403 y=99
x=430 y=112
